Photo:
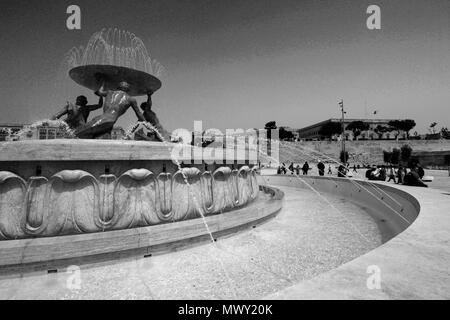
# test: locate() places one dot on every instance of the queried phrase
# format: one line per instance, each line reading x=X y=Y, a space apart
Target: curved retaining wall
x=398 y=208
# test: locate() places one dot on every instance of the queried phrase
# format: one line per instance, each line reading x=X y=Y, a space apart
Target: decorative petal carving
x=107 y=183
x=135 y=200
x=73 y=197
x=234 y=185
x=207 y=191
x=165 y=198
x=12 y=211
x=36 y=204
x=74 y=201
x=243 y=182
x=254 y=183
x=187 y=199
x=223 y=190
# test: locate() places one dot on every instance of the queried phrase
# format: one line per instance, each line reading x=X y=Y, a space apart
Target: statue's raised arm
x=60 y=113
x=136 y=109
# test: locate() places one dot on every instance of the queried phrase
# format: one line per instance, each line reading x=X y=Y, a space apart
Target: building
x=313 y=132
x=295 y=132
x=45 y=130
x=8 y=131
x=117 y=133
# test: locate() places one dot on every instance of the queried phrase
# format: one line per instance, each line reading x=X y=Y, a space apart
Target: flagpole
x=343 y=131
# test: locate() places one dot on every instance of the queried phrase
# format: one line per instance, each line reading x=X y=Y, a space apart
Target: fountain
x=83 y=198
x=69 y=202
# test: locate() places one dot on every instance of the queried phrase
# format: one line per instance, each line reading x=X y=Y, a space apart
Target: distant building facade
x=117 y=133
x=313 y=132
x=45 y=131
x=8 y=131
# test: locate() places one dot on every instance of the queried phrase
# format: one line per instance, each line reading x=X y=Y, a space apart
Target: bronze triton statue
x=116 y=103
x=78 y=113
x=117 y=85
x=151 y=118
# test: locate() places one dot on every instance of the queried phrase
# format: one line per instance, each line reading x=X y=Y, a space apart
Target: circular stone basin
x=308 y=237
x=77 y=198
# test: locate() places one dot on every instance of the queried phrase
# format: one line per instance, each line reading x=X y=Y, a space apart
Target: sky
x=242 y=63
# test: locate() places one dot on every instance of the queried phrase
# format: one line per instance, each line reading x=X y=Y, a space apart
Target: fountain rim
x=102 y=150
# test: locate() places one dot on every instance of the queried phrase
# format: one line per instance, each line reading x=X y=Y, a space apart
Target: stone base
x=68 y=187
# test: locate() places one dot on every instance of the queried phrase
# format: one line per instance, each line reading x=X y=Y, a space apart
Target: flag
x=341 y=103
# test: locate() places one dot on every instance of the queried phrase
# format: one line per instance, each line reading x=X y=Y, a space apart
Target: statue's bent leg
x=91 y=132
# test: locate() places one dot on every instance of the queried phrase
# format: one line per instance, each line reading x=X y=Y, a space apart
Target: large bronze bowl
x=92 y=77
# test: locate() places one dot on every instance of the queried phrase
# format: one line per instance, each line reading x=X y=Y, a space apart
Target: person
x=291 y=168
x=383 y=174
x=342 y=171
x=420 y=171
x=391 y=174
x=297 y=170
x=329 y=170
x=116 y=103
x=279 y=170
x=400 y=175
x=321 y=168
x=412 y=178
x=370 y=173
x=305 y=168
x=78 y=113
x=151 y=118
x=354 y=168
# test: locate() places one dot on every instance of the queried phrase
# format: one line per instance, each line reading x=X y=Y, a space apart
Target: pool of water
x=308 y=237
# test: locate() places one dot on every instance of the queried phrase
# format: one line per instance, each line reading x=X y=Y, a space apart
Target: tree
x=407 y=125
x=445 y=133
x=395 y=158
x=406 y=152
x=272 y=125
x=396 y=125
x=357 y=127
x=387 y=156
x=330 y=129
x=447 y=159
x=286 y=134
x=402 y=125
x=433 y=127
x=380 y=130
x=447 y=162
x=391 y=157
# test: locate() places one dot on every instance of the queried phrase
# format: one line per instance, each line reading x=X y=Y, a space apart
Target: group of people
x=408 y=176
x=283 y=169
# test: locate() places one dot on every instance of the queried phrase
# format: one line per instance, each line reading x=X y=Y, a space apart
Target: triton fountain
x=70 y=202
x=73 y=198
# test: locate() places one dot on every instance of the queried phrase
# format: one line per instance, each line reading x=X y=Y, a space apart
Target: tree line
x=358 y=127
